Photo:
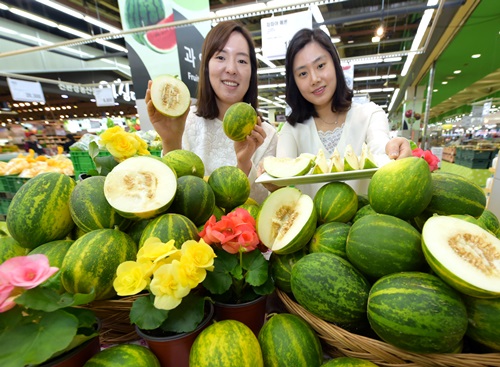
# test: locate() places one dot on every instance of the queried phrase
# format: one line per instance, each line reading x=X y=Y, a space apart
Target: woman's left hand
x=246 y=148
x=398 y=148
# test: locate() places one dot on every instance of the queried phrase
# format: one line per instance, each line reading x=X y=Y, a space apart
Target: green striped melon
x=468 y=218
x=417 y=312
x=401 y=188
x=362 y=201
x=286 y=221
x=194 y=199
x=455 y=194
x=489 y=220
x=136 y=228
x=365 y=210
x=281 y=266
x=239 y=121
x=230 y=185
x=140 y=187
x=9 y=248
x=331 y=288
x=89 y=208
x=288 y=340
x=124 y=355
x=381 y=244
x=170 y=226
x=484 y=321
x=91 y=262
x=54 y=250
x=227 y=343
x=330 y=237
x=185 y=162
x=252 y=209
x=39 y=212
x=464 y=255
x=336 y=202
x=348 y=362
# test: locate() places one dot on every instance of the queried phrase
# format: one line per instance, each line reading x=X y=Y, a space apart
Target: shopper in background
x=69 y=142
x=228 y=74
x=323 y=115
x=31 y=142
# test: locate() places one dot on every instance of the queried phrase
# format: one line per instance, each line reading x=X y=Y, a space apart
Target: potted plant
x=37 y=322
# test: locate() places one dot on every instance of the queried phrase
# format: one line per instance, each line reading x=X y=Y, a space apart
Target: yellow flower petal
x=166 y=286
x=199 y=253
x=131 y=278
x=155 y=250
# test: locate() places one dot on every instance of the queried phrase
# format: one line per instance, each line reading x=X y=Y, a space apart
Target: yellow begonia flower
x=167 y=288
x=108 y=135
x=155 y=250
x=123 y=146
x=131 y=278
x=143 y=146
x=190 y=274
x=199 y=253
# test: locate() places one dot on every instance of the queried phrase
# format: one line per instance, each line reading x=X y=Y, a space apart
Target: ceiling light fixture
x=3 y=7
x=100 y=24
x=335 y=39
x=73 y=31
x=380 y=31
x=375 y=39
x=445 y=82
x=271 y=70
x=33 y=17
x=476 y=56
x=457 y=71
x=61 y=8
x=393 y=99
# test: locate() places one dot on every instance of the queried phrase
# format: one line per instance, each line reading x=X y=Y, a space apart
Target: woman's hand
x=398 y=148
x=170 y=129
x=246 y=148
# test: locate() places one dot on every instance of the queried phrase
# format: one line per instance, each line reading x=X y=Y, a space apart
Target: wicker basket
x=343 y=343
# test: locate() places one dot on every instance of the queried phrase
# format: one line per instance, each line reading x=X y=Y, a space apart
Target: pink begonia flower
x=27 y=271
x=431 y=159
x=8 y=294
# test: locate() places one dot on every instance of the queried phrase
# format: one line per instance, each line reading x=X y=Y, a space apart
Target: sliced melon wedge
x=170 y=95
x=321 y=164
x=464 y=255
x=140 y=187
x=336 y=162
x=351 y=162
x=286 y=221
x=287 y=167
x=366 y=160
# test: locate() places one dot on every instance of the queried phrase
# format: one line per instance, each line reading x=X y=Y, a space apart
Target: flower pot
x=252 y=314
x=77 y=356
x=173 y=351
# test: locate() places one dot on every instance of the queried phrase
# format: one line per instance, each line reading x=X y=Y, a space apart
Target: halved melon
x=366 y=160
x=288 y=167
x=464 y=255
x=170 y=95
x=140 y=187
x=286 y=221
x=351 y=162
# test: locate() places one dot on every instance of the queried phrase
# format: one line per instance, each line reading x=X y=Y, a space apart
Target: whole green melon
x=401 y=188
x=366 y=210
x=239 y=121
x=227 y=343
x=330 y=237
x=124 y=355
x=39 y=212
x=252 y=209
x=230 y=185
x=417 y=312
x=336 y=202
x=9 y=248
x=281 y=268
x=348 y=362
x=489 y=220
x=185 y=162
x=288 y=340
x=136 y=228
x=170 y=226
x=54 y=250
x=484 y=321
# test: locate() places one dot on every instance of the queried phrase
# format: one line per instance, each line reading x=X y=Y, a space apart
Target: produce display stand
x=344 y=343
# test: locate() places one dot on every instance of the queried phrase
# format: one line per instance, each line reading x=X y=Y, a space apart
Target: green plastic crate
x=4 y=205
x=14 y=183
x=3 y=184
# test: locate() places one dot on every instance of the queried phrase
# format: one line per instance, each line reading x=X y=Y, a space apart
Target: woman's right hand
x=170 y=129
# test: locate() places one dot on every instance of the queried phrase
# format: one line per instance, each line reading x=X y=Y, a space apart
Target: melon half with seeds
x=170 y=95
x=286 y=221
x=464 y=255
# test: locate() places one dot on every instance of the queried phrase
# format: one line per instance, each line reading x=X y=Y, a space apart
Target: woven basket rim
x=381 y=353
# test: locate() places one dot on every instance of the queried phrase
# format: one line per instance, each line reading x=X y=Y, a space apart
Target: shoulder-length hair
x=214 y=42
x=301 y=109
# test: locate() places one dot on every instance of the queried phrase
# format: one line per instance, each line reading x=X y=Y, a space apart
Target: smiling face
x=230 y=71
x=314 y=74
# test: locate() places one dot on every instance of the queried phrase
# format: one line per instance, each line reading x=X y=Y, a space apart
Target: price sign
x=104 y=97
x=24 y=91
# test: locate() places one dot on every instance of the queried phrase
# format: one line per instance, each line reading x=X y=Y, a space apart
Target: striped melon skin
x=136 y=228
x=227 y=343
x=10 y=248
x=336 y=202
x=39 y=212
x=365 y=210
x=455 y=194
x=380 y=244
x=281 y=268
x=184 y=163
x=288 y=340
x=484 y=321
x=239 y=121
x=348 y=362
x=89 y=208
x=124 y=355
x=417 y=312
x=489 y=220
x=330 y=237
x=54 y=250
x=168 y=227
x=230 y=185
x=401 y=188
x=331 y=288
x=91 y=262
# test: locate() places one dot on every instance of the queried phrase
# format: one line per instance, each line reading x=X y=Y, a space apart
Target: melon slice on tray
x=170 y=95
x=288 y=167
x=351 y=162
x=366 y=160
x=140 y=187
x=321 y=163
x=337 y=164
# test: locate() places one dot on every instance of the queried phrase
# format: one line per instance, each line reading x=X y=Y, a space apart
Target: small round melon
x=170 y=95
x=239 y=121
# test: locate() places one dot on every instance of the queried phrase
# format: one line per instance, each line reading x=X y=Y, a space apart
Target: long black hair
x=301 y=108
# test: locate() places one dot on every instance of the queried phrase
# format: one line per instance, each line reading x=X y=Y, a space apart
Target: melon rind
x=178 y=99
x=287 y=167
x=451 y=266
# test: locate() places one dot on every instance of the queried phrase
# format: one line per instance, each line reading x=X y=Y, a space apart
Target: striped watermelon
x=464 y=255
x=331 y=288
x=288 y=340
x=484 y=321
x=168 y=227
x=348 y=362
x=330 y=237
x=194 y=199
x=39 y=212
x=185 y=162
x=281 y=268
x=141 y=13
x=91 y=262
x=417 y=312
x=89 y=208
x=9 y=248
x=239 y=121
x=336 y=202
x=124 y=355
x=381 y=244
x=230 y=185
x=365 y=210
x=227 y=343
x=455 y=194
x=402 y=188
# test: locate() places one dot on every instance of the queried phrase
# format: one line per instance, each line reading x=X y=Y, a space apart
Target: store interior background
x=438 y=58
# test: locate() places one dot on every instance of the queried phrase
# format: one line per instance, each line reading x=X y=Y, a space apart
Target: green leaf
x=105 y=164
x=187 y=316
x=266 y=288
x=47 y=299
x=145 y=315
x=220 y=279
x=257 y=268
